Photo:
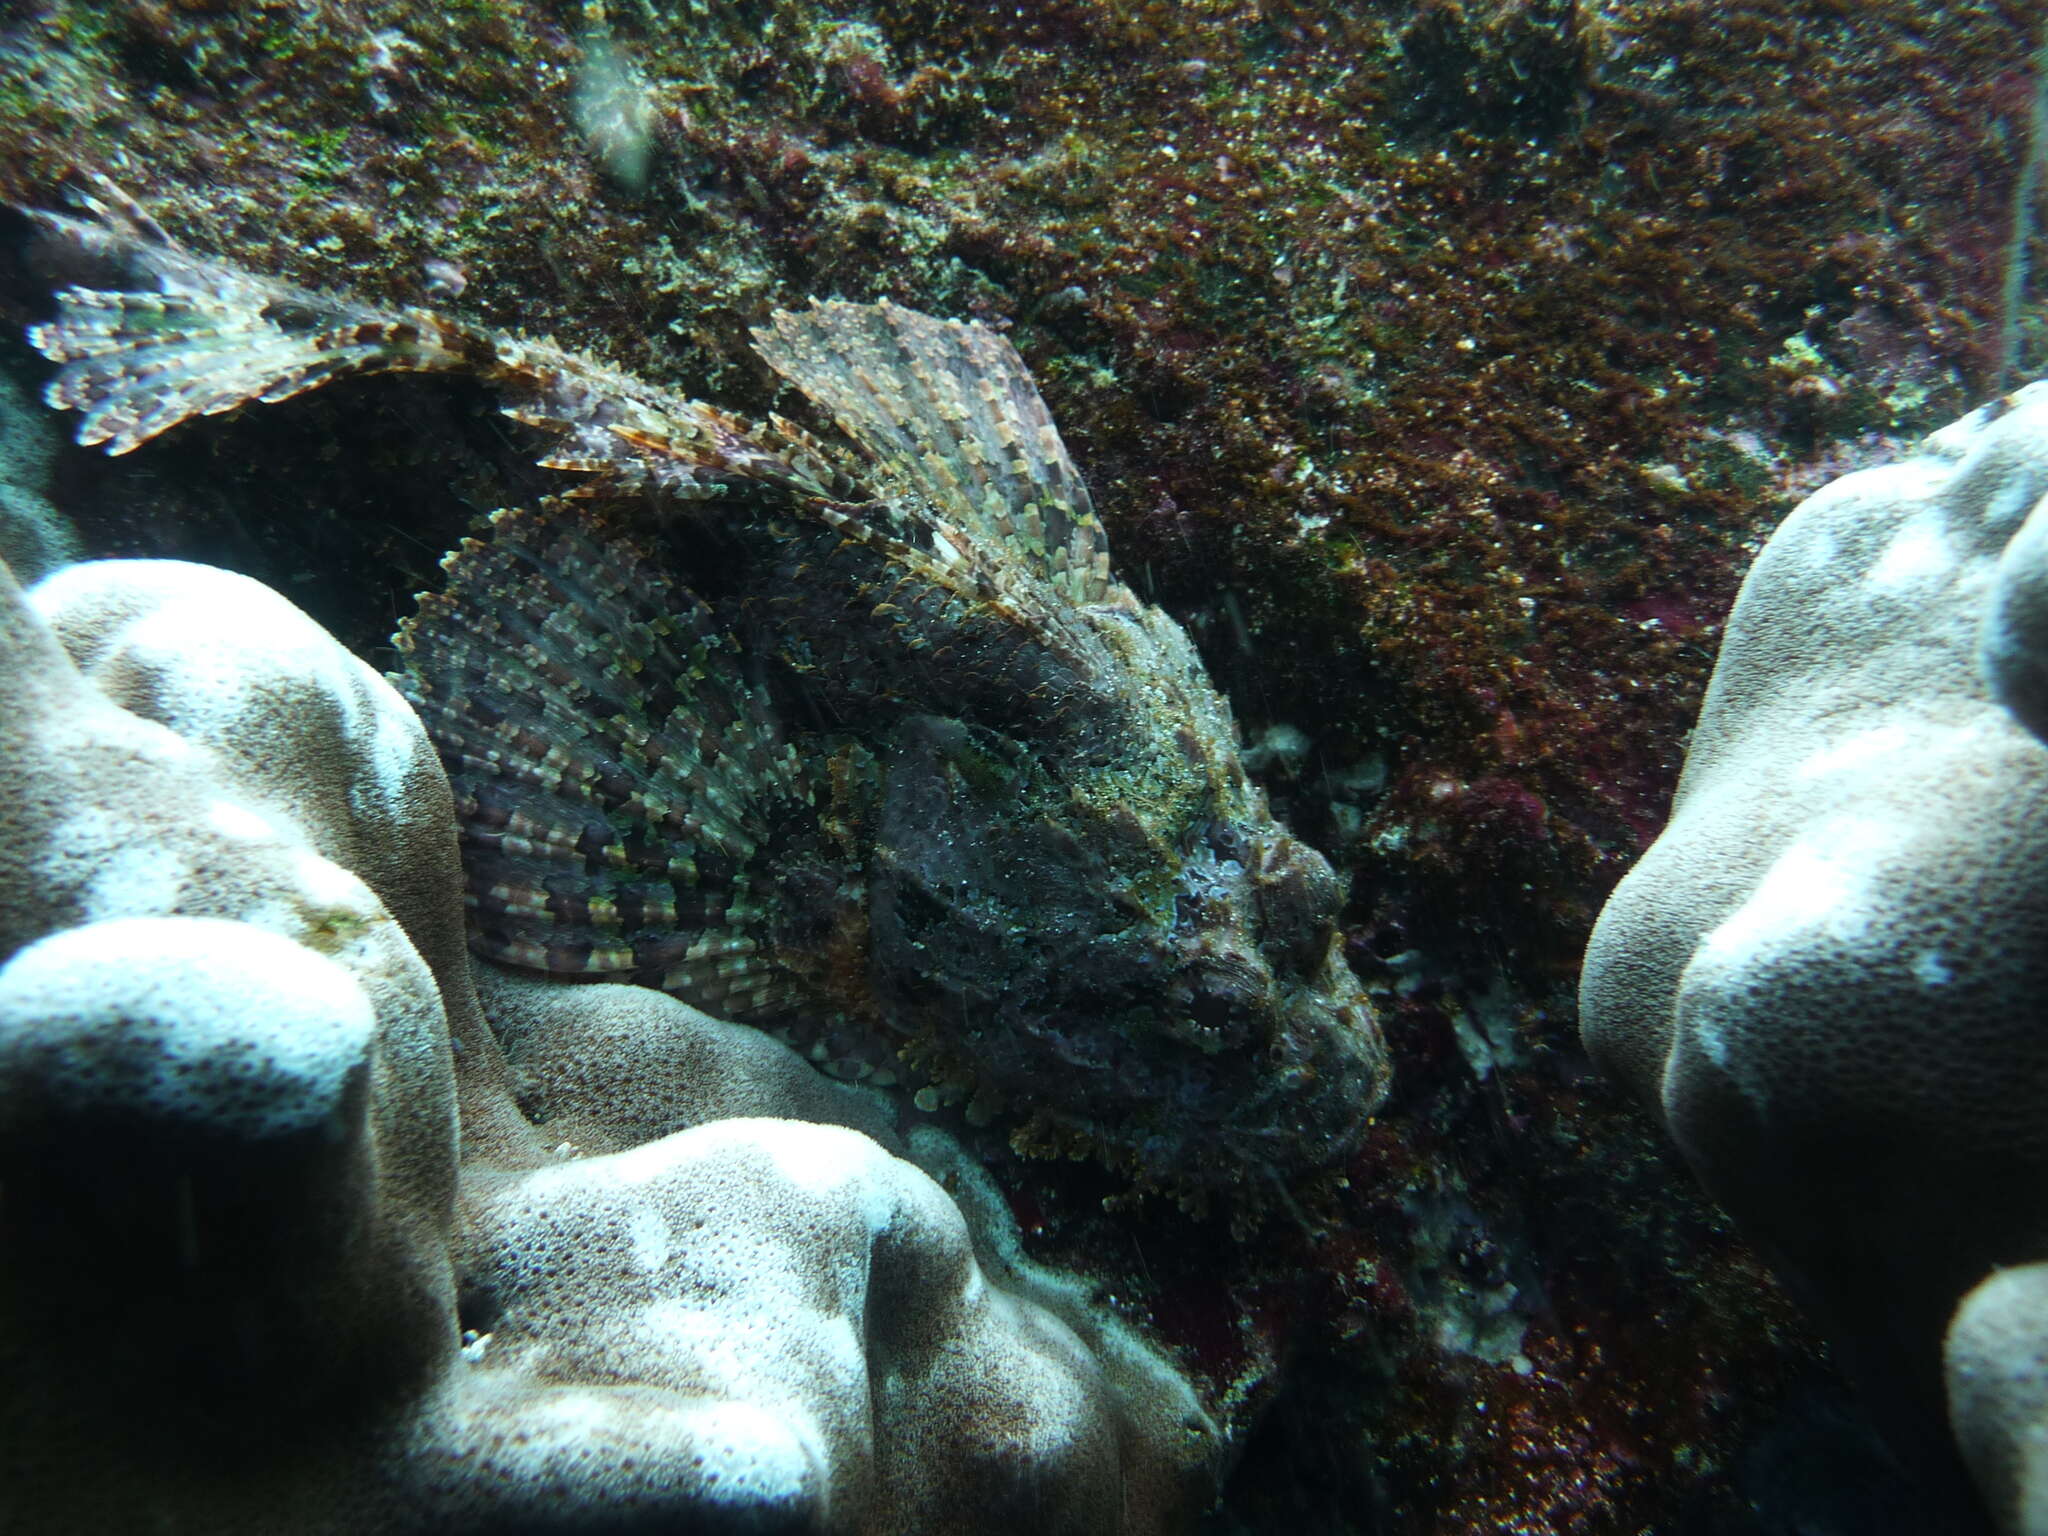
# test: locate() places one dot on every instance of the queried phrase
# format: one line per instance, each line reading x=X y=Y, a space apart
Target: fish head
x=1169 y=994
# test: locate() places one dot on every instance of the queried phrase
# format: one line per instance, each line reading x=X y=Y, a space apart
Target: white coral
x=236 y=1021
x=1827 y=974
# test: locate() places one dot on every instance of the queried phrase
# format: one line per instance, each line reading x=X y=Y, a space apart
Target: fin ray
x=950 y=409
x=195 y=337
x=616 y=777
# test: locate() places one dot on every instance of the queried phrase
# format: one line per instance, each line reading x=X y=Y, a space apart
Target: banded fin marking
x=615 y=776
x=187 y=336
x=950 y=410
x=633 y=438
x=164 y=334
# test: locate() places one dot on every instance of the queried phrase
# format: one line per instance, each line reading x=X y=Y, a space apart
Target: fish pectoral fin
x=183 y=335
x=617 y=779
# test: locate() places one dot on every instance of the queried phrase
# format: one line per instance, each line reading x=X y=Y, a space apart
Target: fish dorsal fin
x=159 y=334
x=949 y=408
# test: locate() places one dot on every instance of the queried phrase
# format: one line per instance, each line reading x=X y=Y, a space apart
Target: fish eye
x=1227 y=840
x=1298 y=904
x=1219 y=1007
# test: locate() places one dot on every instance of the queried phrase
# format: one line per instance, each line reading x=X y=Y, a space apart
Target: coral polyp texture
x=1997 y=1374
x=1826 y=975
x=922 y=780
x=284 y=1253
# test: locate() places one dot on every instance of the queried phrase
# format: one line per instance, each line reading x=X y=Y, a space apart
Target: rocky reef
x=1439 y=367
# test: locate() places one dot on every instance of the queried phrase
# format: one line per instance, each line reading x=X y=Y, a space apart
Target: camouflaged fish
x=904 y=773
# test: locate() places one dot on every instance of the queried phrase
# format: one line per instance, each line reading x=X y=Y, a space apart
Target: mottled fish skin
x=925 y=785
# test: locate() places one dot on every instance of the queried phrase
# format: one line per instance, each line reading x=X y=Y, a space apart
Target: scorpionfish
x=857 y=740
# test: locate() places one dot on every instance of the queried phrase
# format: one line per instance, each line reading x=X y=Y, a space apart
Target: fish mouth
x=1307 y=1098
x=1230 y=1081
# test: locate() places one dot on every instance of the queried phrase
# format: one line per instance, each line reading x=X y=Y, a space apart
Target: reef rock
x=283 y=1251
x=1827 y=974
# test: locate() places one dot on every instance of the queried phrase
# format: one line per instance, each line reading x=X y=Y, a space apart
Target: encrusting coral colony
x=283 y=1253
x=574 y=959
x=1824 y=974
